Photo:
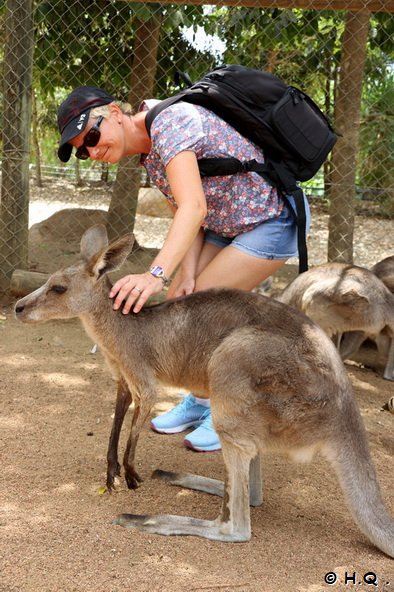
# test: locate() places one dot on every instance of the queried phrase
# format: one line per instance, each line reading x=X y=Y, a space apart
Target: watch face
x=157 y=271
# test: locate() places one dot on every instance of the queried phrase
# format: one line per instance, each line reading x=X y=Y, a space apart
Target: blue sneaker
x=204 y=438
x=187 y=414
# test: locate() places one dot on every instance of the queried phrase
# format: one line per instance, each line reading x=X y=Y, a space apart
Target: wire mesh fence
x=340 y=52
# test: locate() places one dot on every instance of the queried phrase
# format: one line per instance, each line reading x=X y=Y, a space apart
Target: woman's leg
x=248 y=259
x=231 y=268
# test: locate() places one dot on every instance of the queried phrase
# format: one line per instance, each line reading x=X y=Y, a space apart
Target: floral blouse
x=235 y=203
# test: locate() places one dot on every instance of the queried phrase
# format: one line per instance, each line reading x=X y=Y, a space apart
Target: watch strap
x=158 y=272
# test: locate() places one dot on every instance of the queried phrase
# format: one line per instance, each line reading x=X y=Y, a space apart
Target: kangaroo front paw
x=132 y=478
x=113 y=471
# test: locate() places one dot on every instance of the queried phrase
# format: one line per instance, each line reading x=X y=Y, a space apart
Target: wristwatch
x=158 y=272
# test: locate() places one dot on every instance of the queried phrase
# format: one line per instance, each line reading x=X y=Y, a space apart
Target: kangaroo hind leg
x=233 y=524
x=215 y=486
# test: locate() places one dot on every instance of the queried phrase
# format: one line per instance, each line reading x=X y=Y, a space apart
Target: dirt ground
x=56 y=522
x=56 y=531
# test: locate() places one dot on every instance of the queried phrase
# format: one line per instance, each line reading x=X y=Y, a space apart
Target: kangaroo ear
x=93 y=241
x=111 y=257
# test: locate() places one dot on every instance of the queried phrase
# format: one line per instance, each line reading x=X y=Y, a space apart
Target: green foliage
x=79 y=42
x=76 y=46
x=176 y=52
x=376 y=154
x=376 y=144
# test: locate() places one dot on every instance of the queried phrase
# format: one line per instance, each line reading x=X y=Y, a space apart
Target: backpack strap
x=152 y=113
x=300 y=217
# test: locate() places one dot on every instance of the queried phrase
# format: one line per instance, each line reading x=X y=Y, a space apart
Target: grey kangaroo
x=384 y=270
x=275 y=381
x=352 y=341
x=341 y=297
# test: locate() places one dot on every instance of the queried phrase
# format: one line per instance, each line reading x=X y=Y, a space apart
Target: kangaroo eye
x=58 y=289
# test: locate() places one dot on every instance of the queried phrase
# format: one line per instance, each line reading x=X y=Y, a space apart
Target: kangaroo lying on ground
x=341 y=297
x=275 y=381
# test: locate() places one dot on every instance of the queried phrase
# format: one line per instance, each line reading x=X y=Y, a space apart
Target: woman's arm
x=184 y=281
x=184 y=178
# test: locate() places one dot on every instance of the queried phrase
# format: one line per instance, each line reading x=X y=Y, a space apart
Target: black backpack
x=294 y=134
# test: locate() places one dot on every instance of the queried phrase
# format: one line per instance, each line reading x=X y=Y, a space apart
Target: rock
x=151 y=202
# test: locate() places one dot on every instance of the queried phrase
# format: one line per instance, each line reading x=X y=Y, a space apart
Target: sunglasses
x=90 y=140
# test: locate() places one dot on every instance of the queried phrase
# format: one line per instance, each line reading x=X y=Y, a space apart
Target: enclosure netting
x=342 y=58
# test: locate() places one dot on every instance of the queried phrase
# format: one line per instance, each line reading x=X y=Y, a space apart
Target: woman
x=230 y=231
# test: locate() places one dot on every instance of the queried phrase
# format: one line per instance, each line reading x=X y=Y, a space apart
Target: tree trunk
x=123 y=206
x=104 y=172
x=78 y=177
x=347 y=123
x=14 y=204
x=36 y=141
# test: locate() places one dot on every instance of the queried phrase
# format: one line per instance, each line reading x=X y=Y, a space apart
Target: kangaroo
x=341 y=298
x=384 y=270
x=274 y=377
x=351 y=342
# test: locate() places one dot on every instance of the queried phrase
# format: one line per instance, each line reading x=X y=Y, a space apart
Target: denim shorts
x=272 y=239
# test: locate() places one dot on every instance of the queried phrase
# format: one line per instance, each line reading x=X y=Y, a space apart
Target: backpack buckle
x=244 y=166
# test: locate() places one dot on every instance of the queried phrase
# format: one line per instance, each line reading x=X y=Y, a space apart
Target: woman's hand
x=181 y=285
x=134 y=289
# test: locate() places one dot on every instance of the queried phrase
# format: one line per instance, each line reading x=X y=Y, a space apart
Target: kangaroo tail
x=350 y=456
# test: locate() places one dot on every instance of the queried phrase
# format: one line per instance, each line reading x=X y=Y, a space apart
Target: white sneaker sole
x=176 y=429
x=211 y=448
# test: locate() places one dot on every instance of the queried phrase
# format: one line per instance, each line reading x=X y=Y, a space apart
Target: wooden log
x=23 y=282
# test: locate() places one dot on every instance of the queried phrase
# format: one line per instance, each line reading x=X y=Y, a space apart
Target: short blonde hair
x=104 y=110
